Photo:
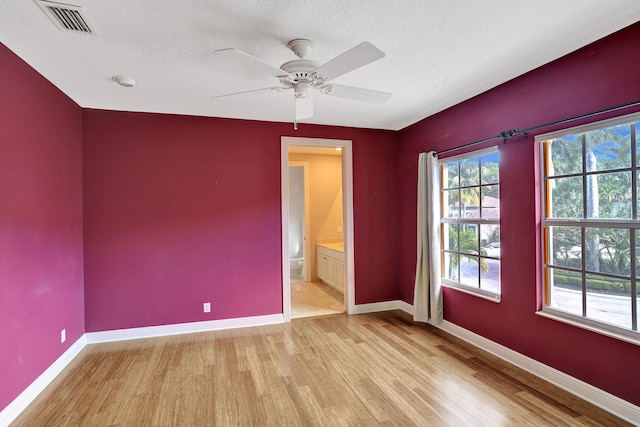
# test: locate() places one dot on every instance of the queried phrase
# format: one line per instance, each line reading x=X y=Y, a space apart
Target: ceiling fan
x=304 y=75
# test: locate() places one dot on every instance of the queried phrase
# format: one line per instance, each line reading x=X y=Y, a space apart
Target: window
x=591 y=231
x=470 y=223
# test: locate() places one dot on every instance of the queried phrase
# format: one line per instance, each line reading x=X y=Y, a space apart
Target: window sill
x=591 y=325
x=489 y=296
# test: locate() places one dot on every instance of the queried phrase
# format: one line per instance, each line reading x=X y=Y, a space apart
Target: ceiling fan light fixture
x=318 y=79
x=303 y=89
x=124 y=80
x=326 y=90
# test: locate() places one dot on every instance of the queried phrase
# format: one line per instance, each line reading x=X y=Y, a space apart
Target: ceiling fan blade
x=304 y=108
x=359 y=56
x=275 y=88
x=252 y=62
x=356 y=93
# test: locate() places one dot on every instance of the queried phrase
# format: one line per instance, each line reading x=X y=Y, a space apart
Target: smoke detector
x=125 y=81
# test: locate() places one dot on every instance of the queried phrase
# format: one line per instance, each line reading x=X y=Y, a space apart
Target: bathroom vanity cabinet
x=330 y=264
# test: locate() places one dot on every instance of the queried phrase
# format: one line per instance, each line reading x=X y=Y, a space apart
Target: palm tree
x=467 y=241
x=465 y=177
x=593 y=211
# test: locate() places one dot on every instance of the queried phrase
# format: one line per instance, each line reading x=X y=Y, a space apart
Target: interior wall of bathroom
x=325 y=202
x=296 y=214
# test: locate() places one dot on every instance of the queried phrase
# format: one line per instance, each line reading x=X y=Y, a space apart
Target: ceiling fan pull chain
x=295 y=116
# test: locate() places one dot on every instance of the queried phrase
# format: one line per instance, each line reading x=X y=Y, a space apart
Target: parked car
x=607 y=253
x=492 y=250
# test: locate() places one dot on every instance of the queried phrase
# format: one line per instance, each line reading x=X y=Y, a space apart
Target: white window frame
x=444 y=221
x=582 y=321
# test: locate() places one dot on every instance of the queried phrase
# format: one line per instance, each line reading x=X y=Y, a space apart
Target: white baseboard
x=182 y=328
x=406 y=307
x=607 y=401
x=383 y=306
x=24 y=399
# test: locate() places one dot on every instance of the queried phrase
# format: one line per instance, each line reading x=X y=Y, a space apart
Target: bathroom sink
x=334 y=246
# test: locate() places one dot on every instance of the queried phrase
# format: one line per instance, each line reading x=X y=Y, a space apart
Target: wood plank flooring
x=367 y=370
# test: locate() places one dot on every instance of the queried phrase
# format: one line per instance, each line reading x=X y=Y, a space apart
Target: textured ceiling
x=438 y=52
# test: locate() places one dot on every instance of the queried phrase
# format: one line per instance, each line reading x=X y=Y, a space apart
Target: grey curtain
x=427 y=297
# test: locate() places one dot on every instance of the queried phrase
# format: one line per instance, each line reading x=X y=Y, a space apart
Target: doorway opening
x=317 y=227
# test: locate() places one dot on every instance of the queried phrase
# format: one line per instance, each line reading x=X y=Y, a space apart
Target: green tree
x=467 y=241
x=607 y=151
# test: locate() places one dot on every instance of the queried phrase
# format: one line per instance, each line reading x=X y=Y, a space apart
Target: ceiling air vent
x=67 y=17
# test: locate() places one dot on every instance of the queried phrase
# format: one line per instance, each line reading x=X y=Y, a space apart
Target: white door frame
x=306 y=249
x=347 y=216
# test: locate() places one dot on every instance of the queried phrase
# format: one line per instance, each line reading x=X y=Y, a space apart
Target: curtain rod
x=511 y=133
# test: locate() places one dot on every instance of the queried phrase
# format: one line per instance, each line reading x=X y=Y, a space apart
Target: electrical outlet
x=63 y=335
x=207 y=307
x=339 y=229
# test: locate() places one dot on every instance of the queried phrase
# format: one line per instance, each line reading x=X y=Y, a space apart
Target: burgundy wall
x=41 y=270
x=598 y=76
x=182 y=210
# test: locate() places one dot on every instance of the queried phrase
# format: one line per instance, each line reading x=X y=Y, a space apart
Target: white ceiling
x=438 y=52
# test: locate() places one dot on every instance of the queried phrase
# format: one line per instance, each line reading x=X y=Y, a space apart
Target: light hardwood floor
x=365 y=370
